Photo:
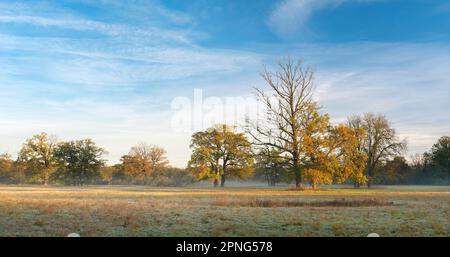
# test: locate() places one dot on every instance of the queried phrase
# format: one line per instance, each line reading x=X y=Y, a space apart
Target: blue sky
x=109 y=70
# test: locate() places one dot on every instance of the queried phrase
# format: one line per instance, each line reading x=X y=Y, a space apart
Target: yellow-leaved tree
x=219 y=153
x=335 y=157
x=37 y=155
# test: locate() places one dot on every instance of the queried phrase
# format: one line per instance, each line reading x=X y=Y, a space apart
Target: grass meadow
x=280 y=211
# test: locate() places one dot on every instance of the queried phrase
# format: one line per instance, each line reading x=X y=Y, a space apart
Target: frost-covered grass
x=143 y=211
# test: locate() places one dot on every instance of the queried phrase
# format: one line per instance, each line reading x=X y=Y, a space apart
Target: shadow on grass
x=268 y=203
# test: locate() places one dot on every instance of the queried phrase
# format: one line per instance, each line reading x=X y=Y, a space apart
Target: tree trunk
x=222 y=181
x=45 y=179
x=217 y=172
x=298 y=173
x=370 y=171
x=224 y=173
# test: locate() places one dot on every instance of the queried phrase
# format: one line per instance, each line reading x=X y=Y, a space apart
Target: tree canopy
x=219 y=153
x=143 y=161
x=79 y=162
x=37 y=154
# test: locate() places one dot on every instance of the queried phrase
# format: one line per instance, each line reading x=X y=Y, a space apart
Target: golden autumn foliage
x=317 y=177
x=331 y=152
x=143 y=161
x=334 y=156
x=220 y=152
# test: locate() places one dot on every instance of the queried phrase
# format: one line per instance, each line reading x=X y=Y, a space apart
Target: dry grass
x=143 y=211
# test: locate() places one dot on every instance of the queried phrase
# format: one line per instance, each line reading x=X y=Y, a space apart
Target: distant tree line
x=218 y=153
x=43 y=160
x=295 y=142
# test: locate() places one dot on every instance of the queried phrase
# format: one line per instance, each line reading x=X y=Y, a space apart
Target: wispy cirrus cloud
x=291 y=16
x=115 y=30
x=121 y=52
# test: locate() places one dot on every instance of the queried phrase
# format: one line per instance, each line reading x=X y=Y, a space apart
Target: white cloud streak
x=291 y=16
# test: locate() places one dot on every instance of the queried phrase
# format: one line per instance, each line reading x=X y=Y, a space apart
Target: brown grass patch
x=273 y=203
x=306 y=188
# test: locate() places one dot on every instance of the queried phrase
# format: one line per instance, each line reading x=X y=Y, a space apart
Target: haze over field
x=110 y=70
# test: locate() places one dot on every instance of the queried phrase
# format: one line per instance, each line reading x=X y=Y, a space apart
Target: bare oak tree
x=291 y=112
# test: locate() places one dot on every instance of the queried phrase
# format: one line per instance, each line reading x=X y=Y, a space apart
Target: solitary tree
x=318 y=152
x=143 y=161
x=219 y=152
x=292 y=114
x=79 y=161
x=380 y=141
x=37 y=154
